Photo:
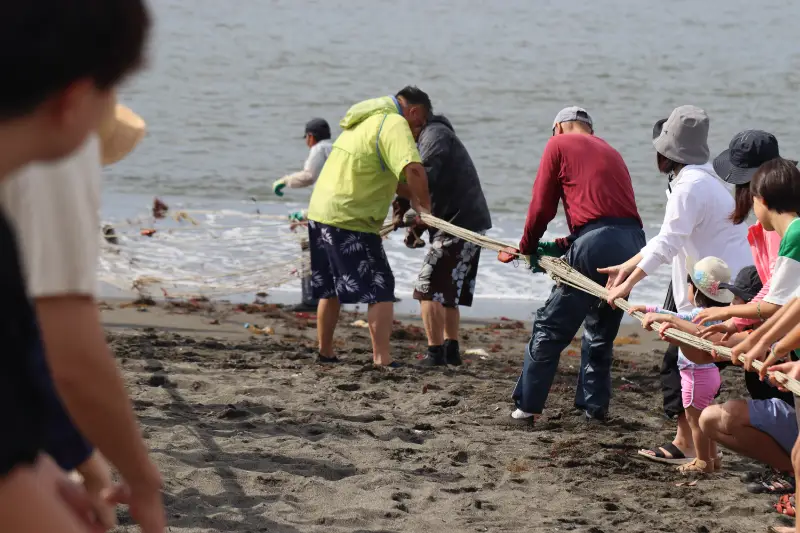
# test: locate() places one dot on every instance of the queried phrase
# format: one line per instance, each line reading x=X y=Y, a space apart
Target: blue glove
x=278 y=187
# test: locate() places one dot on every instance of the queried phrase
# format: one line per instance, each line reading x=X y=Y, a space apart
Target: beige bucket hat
x=119 y=133
x=710 y=275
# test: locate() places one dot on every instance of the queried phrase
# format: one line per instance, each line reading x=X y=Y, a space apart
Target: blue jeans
x=600 y=244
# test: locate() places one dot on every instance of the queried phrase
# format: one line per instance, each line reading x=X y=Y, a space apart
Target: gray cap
x=684 y=138
x=573 y=114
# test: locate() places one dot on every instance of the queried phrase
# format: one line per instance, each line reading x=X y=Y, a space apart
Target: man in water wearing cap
x=374 y=158
x=318 y=139
x=592 y=180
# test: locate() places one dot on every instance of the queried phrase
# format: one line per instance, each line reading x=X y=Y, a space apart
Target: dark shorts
x=63 y=441
x=448 y=272
x=349 y=265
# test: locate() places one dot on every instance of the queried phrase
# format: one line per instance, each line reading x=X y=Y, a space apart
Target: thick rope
x=561 y=272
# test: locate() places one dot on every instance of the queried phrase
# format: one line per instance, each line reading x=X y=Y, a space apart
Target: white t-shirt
x=55 y=211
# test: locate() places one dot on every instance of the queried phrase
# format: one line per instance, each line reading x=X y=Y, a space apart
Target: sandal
x=785 y=505
x=780 y=529
x=696 y=466
x=668 y=453
x=773 y=483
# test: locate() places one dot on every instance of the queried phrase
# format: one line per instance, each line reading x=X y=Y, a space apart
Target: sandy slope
x=251 y=436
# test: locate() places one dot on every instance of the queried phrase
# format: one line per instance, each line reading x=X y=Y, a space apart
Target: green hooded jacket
x=359 y=179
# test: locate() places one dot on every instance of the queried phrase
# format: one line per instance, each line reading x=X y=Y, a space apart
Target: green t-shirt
x=359 y=179
x=786 y=273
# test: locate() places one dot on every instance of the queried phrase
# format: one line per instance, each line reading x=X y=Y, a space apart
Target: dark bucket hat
x=746 y=285
x=747 y=151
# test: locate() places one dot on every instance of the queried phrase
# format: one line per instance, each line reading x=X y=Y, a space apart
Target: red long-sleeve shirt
x=585 y=173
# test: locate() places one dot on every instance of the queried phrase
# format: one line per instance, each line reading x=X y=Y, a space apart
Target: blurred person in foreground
x=61 y=78
x=450 y=268
x=591 y=179
x=318 y=139
x=374 y=157
x=60 y=263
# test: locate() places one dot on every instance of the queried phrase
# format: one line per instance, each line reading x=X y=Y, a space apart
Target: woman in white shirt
x=696 y=224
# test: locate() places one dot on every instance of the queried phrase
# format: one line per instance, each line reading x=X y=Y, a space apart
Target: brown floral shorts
x=448 y=272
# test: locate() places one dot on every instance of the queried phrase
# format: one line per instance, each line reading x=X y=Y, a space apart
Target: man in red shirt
x=592 y=180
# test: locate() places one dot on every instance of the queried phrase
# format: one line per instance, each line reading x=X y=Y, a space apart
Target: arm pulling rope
x=561 y=272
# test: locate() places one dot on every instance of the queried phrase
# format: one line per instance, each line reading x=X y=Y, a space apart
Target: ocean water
x=229 y=86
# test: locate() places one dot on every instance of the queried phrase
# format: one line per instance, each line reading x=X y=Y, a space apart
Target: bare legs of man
x=728 y=424
x=327 y=317
x=380 y=318
x=433 y=318
x=441 y=327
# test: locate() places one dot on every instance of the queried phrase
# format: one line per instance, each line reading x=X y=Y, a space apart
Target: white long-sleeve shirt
x=696 y=224
x=316 y=160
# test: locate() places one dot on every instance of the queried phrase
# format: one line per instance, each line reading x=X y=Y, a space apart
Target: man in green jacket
x=374 y=158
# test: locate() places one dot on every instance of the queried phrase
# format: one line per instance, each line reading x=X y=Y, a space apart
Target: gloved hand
x=278 y=186
x=416 y=231
x=511 y=254
x=400 y=207
x=297 y=216
x=413 y=240
x=549 y=249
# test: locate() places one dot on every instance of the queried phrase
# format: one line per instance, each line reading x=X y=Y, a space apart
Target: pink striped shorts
x=699 y=386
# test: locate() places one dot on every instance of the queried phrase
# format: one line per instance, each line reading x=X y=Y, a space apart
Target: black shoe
x=302 y=308
x=595 y=418
x=322 y=360
x=434 y=357
x=452 y=354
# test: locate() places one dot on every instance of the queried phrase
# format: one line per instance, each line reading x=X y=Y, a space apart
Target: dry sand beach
x=252 y=436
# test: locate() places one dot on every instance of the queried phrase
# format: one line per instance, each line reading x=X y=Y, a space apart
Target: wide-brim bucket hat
x=684 y=137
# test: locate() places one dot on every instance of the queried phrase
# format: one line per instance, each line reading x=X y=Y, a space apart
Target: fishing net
x=212 y=254
x=195 y=253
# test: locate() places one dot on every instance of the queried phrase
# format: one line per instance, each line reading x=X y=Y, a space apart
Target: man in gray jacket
x=447 y=278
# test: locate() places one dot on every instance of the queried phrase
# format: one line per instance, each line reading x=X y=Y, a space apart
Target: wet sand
x=251 y=436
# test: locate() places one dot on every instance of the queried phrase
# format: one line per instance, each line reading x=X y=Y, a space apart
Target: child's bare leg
x=701 y=442
x=96 y=477
x=714 y=454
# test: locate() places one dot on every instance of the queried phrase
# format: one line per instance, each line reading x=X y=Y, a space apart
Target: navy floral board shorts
x=448 y=272
x=349 y=265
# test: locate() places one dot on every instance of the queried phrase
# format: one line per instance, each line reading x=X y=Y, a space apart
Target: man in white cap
x=592 y=180
x=318 y=139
